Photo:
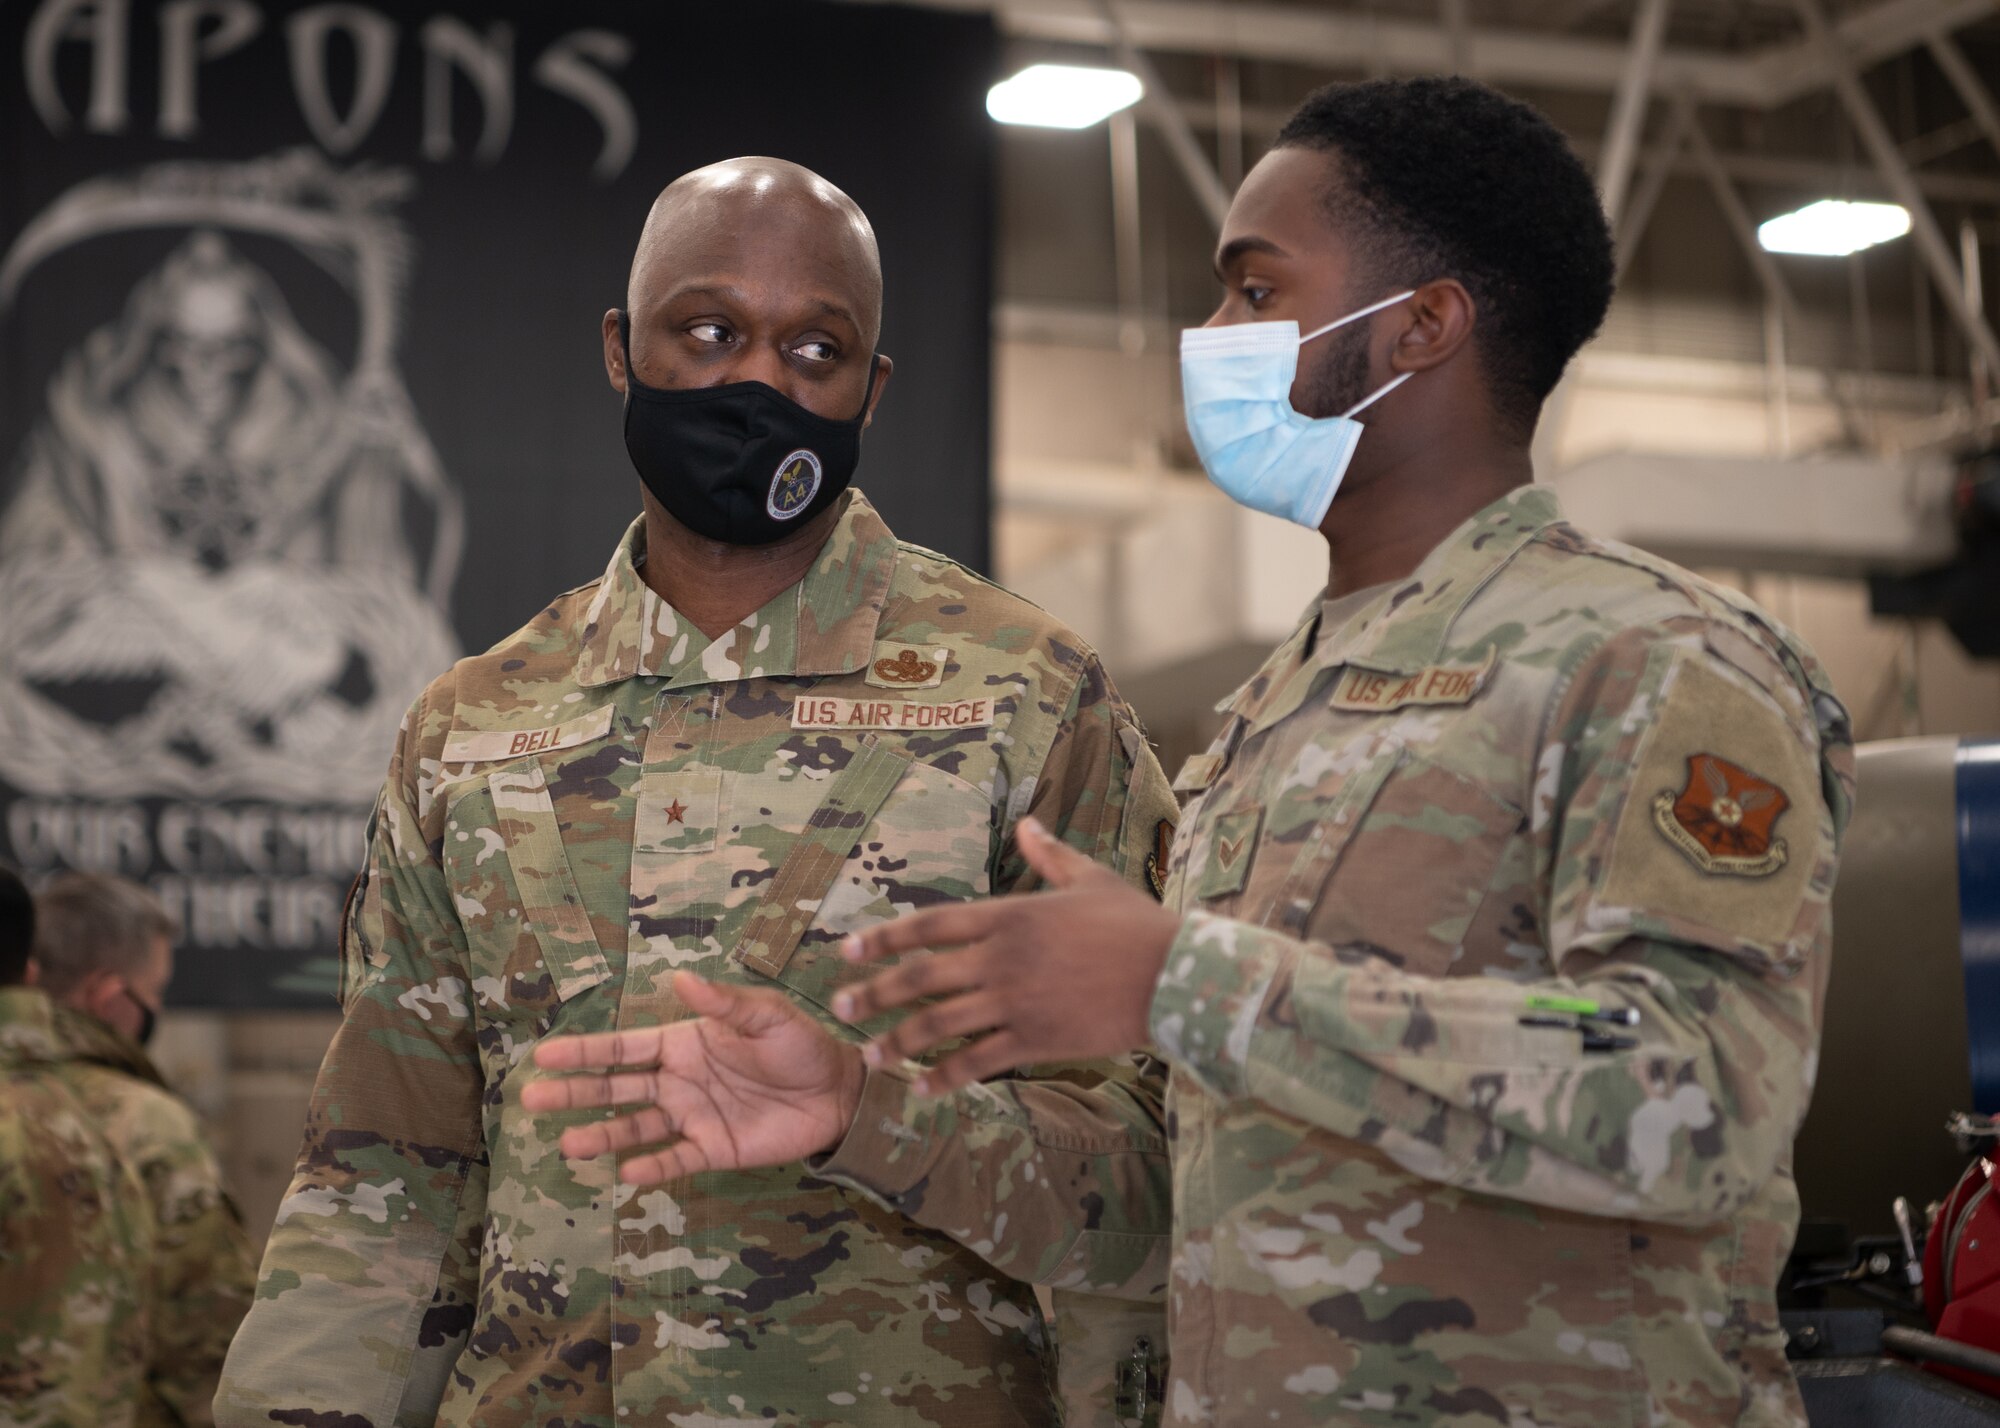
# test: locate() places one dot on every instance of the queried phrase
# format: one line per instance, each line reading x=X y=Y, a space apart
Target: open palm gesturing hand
x=753 y=1080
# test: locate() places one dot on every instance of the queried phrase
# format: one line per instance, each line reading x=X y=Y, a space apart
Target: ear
x=884 y=367
x=97 y=993
x=614 y=351
x=1442 y=316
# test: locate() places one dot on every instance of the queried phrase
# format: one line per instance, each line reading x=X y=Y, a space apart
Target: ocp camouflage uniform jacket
x=203 y=1267
x=76 y=1309
x=1542 y=764
x=603 y=798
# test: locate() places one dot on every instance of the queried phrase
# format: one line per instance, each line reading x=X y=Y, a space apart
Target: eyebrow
x=715 y=290
x=825 y=307
x=819 y=306
x=1237 y=247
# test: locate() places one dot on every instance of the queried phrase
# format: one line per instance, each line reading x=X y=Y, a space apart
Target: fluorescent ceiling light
x=1833 y=228
x=1062 y=96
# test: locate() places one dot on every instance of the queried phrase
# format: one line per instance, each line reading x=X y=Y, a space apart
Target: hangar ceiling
x=1700 y=116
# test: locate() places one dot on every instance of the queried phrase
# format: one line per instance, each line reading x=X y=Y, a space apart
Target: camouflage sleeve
x=76 y=1313
x=1058 y=1175
x=1717 y=944
x=203 y=1265
x=1101 y=790
x=364 y=1300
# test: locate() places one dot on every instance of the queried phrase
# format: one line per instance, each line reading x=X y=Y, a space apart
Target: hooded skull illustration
x=210 y=564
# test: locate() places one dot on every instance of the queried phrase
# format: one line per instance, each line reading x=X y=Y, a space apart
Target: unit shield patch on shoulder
x=1723 y=818
x=793 y=485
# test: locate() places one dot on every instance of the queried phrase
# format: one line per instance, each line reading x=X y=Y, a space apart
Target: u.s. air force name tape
x=837 y=712
x=1367 y=691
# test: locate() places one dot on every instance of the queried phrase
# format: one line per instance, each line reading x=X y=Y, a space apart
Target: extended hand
x=1063 y=975
x=753 y=1080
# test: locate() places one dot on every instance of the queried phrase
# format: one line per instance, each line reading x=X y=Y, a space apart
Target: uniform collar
x=1408 y=626
x=1405 y=628
x=823 y=625
x=84 y=1038
x=27 y=1026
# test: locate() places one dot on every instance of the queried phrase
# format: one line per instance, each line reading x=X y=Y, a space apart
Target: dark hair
x=95 y=922
x=17 y=928
x=1446 y=178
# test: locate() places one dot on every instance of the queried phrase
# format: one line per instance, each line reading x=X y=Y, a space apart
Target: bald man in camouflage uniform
x=76 y=1309
x=614 y=794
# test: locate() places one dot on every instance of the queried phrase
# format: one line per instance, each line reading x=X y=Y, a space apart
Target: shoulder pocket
x=1723 y=839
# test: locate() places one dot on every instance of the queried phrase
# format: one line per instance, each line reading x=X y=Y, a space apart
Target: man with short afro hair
x=1513 y=216
x=1495 y=935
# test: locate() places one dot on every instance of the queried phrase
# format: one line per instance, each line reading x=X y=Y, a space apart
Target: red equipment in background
x=1962 y=1271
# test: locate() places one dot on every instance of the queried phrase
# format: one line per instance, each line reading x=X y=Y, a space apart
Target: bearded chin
x=1339 y=379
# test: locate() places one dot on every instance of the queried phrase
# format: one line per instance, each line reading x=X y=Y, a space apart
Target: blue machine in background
x=1911 y=1041
x=1912 y=1026
x=1977 y=785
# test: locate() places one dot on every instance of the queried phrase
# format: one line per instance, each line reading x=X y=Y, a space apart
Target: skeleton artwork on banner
x=217 y=602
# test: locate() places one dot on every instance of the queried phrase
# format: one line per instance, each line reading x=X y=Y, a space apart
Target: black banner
x=303 y=394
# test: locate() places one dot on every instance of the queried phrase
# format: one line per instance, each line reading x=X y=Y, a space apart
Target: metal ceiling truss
x=1829 y=54
x=1350 y=41
x=1895 y=170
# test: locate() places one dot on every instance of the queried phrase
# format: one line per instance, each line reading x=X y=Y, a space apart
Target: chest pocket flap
x=813 y=864
x=542 y=877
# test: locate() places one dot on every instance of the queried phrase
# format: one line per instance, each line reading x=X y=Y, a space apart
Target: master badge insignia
x=1722 y=818
x=906 y=668
x=793 y=486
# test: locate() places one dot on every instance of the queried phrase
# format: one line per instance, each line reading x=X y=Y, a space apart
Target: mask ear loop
x=1377 y=395
x=1368 y=311
x=1382 y=391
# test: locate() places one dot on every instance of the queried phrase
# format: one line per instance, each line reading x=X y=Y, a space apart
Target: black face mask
x=740 y=463
x=149 y=1020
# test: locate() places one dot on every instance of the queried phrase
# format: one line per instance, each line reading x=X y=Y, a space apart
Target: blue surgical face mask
x=1236 y=389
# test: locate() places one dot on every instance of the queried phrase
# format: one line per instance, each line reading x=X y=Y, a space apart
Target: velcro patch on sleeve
x=1367 y=691
x=1721 y=823
x=478 y=746
x=833 y=711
